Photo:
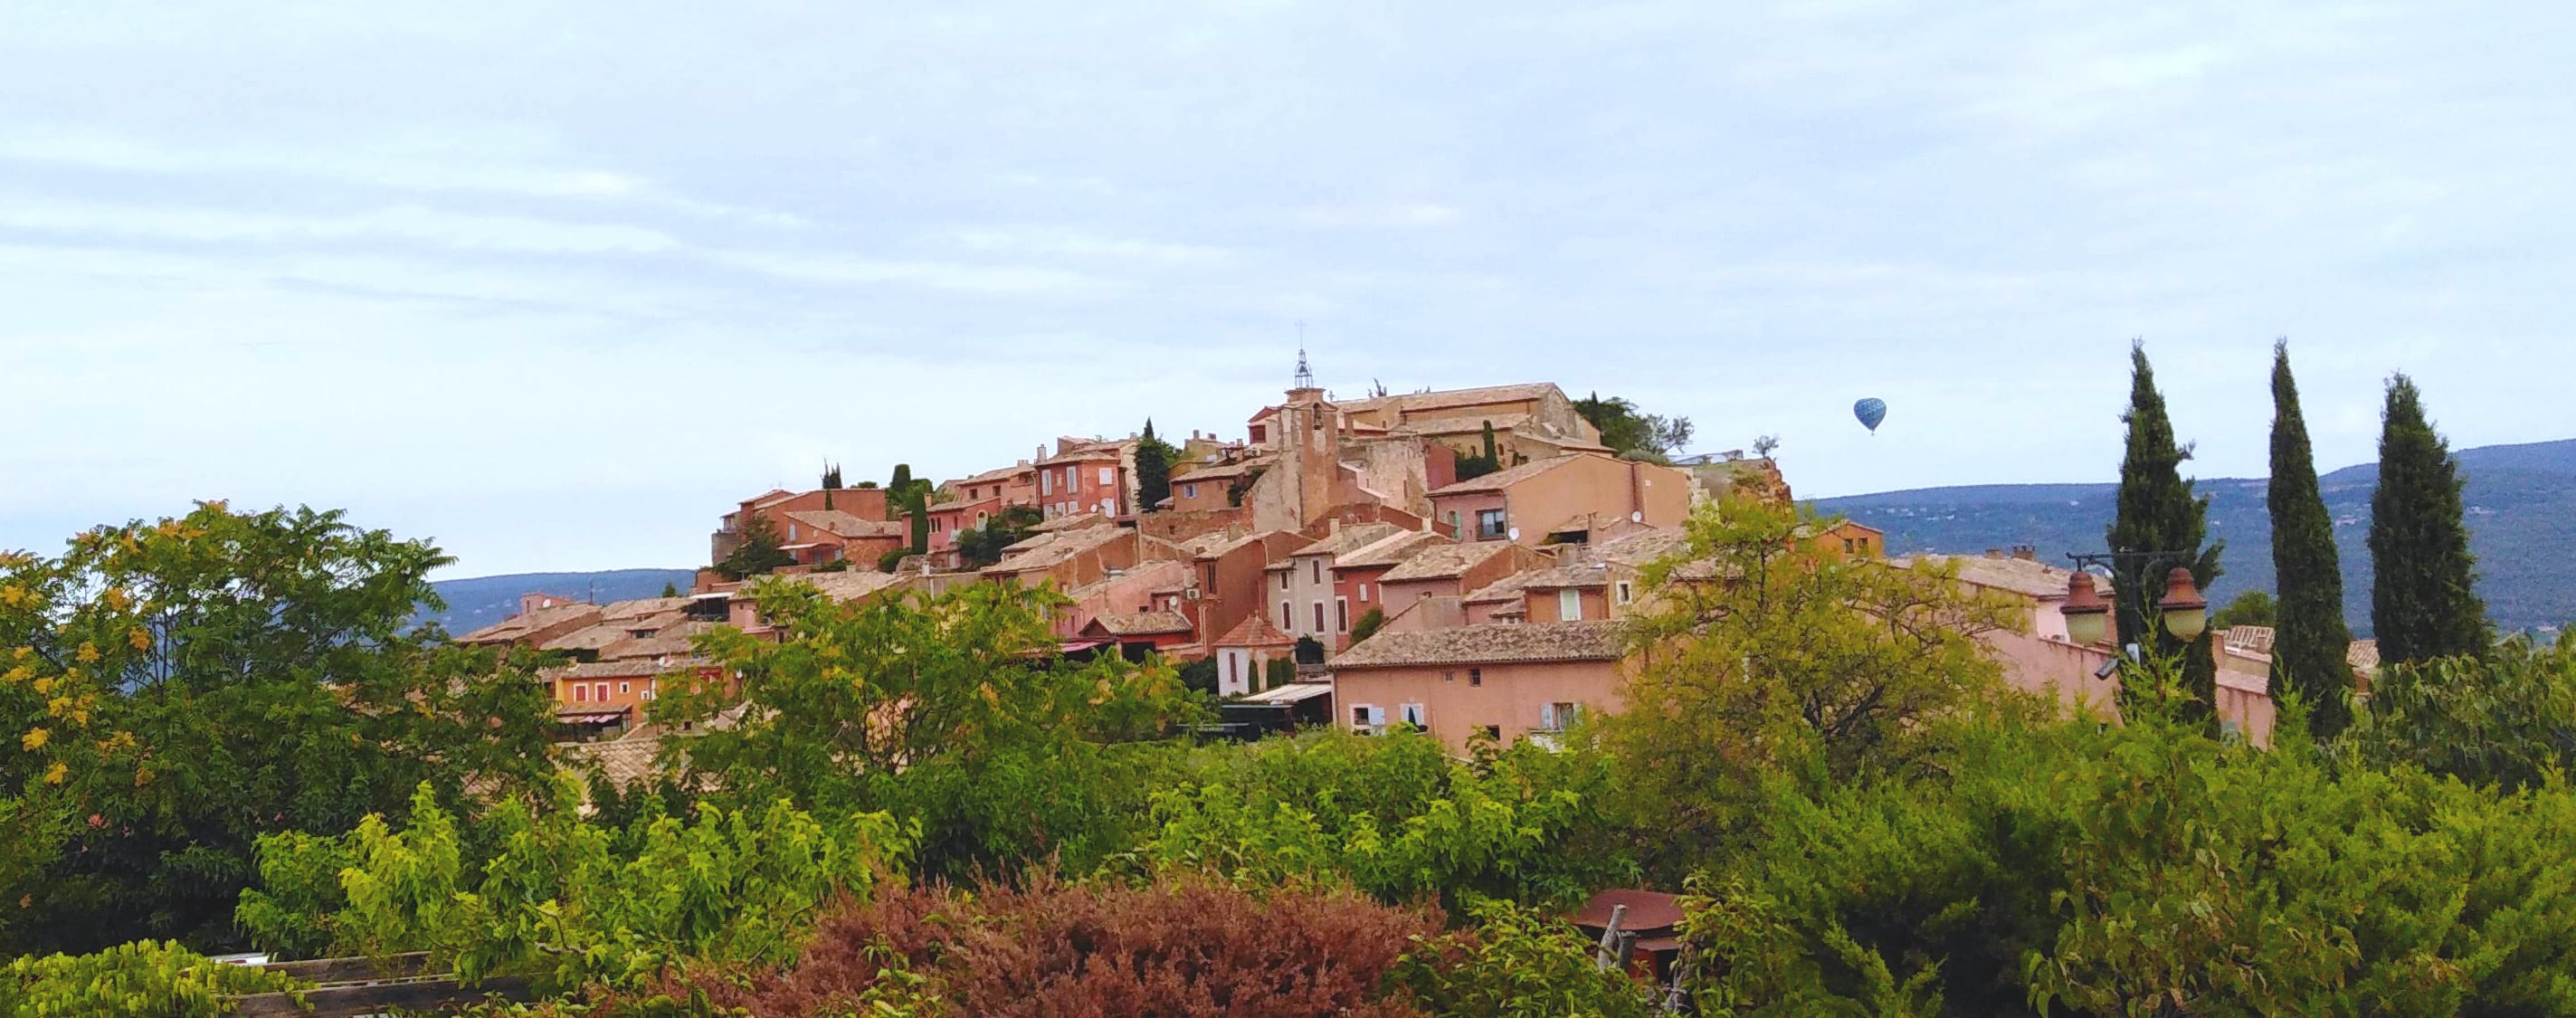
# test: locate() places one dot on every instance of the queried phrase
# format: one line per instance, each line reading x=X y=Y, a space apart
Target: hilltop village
x=1455 y=561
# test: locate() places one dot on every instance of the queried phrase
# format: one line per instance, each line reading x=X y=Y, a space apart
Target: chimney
x=2026 y=552
x=1994 y=553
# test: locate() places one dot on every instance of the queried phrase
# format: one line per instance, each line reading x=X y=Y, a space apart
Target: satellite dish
x=1870 y=411
x=1516 y=533
x=1636 y=517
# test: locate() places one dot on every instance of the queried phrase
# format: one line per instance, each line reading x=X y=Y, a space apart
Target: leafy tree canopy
x=1632 y=434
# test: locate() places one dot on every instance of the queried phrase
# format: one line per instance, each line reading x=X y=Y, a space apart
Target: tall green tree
x=1630 y=433
x=1471 y=467
x=1154 y=459
x=2161 y=524
x=908 y=498
x=183 y=687
x=2310 y=638
x=2422 y=601
x=758 y=551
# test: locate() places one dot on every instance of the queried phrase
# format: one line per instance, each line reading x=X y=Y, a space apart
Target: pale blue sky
x=556 y=283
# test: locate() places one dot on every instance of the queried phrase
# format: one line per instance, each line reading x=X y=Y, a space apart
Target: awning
x=1069 y=646
x=1294 y=692
x=591 y=717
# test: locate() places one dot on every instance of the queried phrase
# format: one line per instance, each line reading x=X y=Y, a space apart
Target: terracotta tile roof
x=641 y=607
x=673 y=640
x=1046 y=550
x=1349 y=539
x=1501 y=479
x=1254 y=631
x=1076 y=521
x=1643 y=547
x=1085 y=453
x=1582 y=574
x=1444 y=561
x=592 y=637
x=518 y=627
x=997 y=474
x=845 y=525
x=2018 y=575
x=1224 y=471
x=1487 y=643
x=1143 y=623
x=1506 y=589
x=1390 y=550
x=1419 y=402
x=2254 y=638
x=623 y=761
x=846 y=585
x=630 y=668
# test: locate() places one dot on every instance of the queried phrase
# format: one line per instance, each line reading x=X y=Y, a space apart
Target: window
x=1314 y=570
x=1108 y=475
x=1625 y=593
x=1569 y=605
x=1341 y=615
x=1847 y=546
x=1189 y=491
x=1367 y=719
x=1414 y=715
x=1046 y=482
x=1453 y=521
x=1557 y=717
x=1287 y=616
x=1363 y=593
x=624 y=688
x=1448 y=676
x=1489 y=524
x=580 y=693
x=1283 y=579
x=1494 y=732
x=1475 y=676
x=791 y=531
x=1319 y=616
x=1259 y=434
x=601 y=693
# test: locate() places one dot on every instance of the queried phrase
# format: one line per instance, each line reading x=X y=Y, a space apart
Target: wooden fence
x=350 y=987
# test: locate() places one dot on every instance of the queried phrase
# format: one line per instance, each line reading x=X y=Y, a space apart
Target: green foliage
x=2152 y=864
x=2507 y=720
x=182 y=687
x=1517 y=963
x=1198 y=676
x=1241 y=485
x=1758 y=651
x=1367 y=624
x=2161 y=525
x=2422 y=604
x=1480 y=464
x=1631 y=434
x=670 y=589
x=2310 y=640
x=2251 y=608
x=573 y=902
x=144 y=979
x=908 y=498
x=1154 y=459
x=1279 y=671
x=982 y=546
x=1392 y=815
x=757 y=551
x=954 y=710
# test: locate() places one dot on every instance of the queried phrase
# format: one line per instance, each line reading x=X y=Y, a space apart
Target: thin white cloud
x=1399 y=215
x=401 y=223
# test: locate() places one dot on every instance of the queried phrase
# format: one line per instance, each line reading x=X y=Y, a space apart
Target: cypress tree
x=2160 y=525
x=2422 y=603
x=1153 y=469
x=2310 y=639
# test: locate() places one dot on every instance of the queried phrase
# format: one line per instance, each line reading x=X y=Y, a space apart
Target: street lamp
x=2184 y=610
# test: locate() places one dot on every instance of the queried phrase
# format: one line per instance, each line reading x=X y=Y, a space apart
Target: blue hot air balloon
x=1870 y=411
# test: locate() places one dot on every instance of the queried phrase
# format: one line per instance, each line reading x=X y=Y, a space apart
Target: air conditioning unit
x=1191 y=594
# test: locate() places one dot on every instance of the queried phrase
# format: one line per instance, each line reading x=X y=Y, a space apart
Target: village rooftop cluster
x=1456 y=561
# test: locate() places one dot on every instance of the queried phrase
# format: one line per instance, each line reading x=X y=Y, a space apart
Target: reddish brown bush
x=1060 y=951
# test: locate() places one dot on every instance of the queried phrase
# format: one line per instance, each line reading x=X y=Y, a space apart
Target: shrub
x=1183 y=948
x=144 y=979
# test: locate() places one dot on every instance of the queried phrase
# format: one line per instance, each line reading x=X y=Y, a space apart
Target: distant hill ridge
x=479 y=601
x=2521 y=512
